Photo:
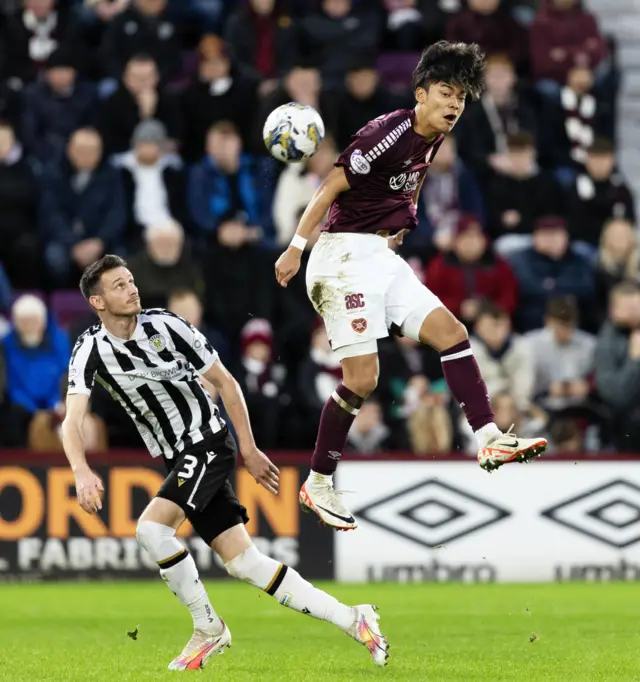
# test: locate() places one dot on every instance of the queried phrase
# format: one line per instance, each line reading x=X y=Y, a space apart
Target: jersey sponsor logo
x=358 y=163
x=407 y=182
x=359 y=325
x=157 y=342
x=354 y=301
x=72 y=372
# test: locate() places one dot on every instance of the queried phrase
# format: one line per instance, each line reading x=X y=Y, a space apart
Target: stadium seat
x=395 y=68
x=68 y=307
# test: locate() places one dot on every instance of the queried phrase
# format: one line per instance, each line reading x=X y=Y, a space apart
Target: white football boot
x=365 y=629
x=507 y=447
x=326 y=503
x=200 y=648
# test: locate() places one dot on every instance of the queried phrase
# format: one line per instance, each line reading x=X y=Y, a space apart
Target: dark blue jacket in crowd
x=211 y=197
x=541 y=278
x=34 y=374
x=6 y=296
x=98 y=211
x=48 y=119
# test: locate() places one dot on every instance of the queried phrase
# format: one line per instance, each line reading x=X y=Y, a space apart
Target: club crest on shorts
x=359 y=325
x=157 y=342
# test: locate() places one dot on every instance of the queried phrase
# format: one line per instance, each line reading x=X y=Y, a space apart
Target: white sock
x=179 y=571
x=486 y=433
x=290 y=589
x=315 y=478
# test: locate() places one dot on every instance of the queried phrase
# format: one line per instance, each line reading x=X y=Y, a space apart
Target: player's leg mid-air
x=363 y=289
x=156 y=532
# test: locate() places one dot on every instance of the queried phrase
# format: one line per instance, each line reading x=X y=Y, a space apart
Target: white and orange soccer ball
x=293 y=132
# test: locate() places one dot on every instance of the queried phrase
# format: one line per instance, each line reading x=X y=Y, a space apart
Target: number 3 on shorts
x=189 y=466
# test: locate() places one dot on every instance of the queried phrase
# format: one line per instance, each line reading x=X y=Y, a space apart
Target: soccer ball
x=293 y=132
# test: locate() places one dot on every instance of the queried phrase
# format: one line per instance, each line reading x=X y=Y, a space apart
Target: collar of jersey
x=138 y=333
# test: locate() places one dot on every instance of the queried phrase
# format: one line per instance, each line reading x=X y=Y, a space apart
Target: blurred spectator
x=319 y=375
x=137 y=99
x=428 y=424
x=570 y=123
x=82 y=208
x=6 y=298
x=154 y=183
x=549 y=269
x=261 y=37
x=36 y=354
x=301 y=84
x=369 y=434
x=225 y=193
x=405 y=25
x=470 y=273
x=505 y=359
x=261 y=380
x=165 y=265
x=30 y=37
x=449 y=190
x=324 y=35
x=365 y=99
x=598 y=194
x=56 y=107
x=518 y=194
x=143 y=27
x=618 y=259
x=503 y=110
x=201 y=15
x=188 y=304
x=220 y=93
x=296 y=186
x=566 y=436
x=564 y=35
x=293 y=317
x=44 y=429
x=617 y=365
x=490 y=25
x=19 y=249
x=563 y=357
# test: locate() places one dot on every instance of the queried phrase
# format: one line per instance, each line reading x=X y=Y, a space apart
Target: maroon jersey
x=384 y=165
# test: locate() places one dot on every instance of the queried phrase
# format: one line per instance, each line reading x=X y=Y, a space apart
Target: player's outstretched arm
x=258 y=464
x=88 y=485
x=288 y=264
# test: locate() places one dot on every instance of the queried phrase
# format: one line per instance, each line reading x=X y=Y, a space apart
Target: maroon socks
x=337 y=416
x=465 y=382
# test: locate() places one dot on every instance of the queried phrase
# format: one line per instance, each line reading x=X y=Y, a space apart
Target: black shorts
x=198 y=482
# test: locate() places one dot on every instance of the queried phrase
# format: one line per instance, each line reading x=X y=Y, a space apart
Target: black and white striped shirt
x=154 y=376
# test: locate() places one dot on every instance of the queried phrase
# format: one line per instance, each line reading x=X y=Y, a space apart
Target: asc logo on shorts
x=358 y=163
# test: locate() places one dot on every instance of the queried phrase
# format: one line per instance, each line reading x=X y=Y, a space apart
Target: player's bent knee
x=442 y=330
x=150 y=534
x=360 y=374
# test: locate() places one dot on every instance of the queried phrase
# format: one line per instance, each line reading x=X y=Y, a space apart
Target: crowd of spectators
x=133 y=127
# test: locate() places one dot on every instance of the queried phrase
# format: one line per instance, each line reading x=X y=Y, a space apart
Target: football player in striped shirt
x=363 y=290
x=151 y=362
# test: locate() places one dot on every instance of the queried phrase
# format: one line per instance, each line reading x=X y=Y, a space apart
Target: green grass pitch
x=68 y=632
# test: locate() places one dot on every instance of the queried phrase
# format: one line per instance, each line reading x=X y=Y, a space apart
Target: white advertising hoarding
x=440 y=521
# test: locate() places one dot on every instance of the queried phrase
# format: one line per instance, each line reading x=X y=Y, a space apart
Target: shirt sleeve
x=363 y=156
x=83 y=366
x=192 y=344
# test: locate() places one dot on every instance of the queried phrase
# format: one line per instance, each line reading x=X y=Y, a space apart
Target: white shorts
x=360 y=287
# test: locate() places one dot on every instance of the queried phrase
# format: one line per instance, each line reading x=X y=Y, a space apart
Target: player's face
x=118 y=294
x=440 y=107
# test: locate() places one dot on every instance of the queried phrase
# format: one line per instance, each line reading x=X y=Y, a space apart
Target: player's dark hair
x=452 y=63
x=601 y=146
x=90 y=280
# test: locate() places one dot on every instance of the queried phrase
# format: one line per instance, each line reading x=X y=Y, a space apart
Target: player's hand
x=287 y=266
x=262 y=469
x=88 y=489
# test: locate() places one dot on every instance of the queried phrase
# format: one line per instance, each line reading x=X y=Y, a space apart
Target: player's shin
x=179 y=571
x=289 y=588
x=465 y=382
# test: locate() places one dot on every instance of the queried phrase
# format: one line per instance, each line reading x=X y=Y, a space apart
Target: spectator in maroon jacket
x=564 y=35
x=470 y=273
x=489 y=24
